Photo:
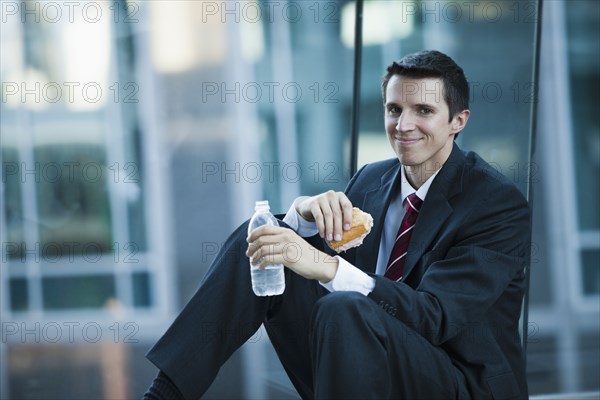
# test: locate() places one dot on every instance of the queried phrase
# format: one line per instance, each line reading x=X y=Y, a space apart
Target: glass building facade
x=136 y=135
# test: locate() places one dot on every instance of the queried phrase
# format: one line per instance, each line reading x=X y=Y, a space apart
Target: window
x=500 y=76
x=73 y=167
x=564 y=307
x=584 y=63
x=136 y=135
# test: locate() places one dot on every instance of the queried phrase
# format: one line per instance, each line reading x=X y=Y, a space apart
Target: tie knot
x=413 y=202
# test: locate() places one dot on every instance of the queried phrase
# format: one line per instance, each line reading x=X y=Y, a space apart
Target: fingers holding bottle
x=269 y=245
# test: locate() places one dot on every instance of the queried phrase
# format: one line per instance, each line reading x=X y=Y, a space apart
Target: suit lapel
x=376 y=202
x=436 y=208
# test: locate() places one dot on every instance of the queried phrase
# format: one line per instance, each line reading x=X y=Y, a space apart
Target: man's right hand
x=331 y=211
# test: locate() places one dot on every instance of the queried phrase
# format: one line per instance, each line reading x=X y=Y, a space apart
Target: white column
x=243 y=149
x=556 y=147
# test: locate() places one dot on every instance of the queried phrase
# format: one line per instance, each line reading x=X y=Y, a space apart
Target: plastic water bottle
x=271 y=280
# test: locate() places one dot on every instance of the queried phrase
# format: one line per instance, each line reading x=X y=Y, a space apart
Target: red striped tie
x=395 y=268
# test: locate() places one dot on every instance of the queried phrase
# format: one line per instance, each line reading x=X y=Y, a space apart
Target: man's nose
x=405 y=123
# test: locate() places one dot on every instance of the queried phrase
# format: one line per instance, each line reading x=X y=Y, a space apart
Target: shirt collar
x=406 y=188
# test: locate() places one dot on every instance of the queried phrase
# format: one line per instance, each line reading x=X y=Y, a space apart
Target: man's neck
x=418 y=175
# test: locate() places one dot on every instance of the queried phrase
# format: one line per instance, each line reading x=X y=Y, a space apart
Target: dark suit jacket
x=464 y=273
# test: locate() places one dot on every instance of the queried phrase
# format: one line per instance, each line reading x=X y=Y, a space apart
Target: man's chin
x=407 y=161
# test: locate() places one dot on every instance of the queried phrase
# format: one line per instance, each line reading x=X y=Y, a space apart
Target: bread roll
x=362 y=223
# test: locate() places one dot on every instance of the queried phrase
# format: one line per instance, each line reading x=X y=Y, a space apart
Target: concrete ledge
x=568 y=396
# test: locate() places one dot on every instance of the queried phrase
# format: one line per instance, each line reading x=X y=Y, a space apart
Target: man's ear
x=460 y=120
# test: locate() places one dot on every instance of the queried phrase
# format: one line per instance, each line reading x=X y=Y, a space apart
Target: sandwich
x=362 y=223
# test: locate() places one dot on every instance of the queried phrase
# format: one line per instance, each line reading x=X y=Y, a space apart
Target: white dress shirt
x=349 y=277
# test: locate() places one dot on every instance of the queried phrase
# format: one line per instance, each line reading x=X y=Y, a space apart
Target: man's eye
x=393 y=110
x=425 y=111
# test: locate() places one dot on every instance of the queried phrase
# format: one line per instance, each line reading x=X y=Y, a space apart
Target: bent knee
x=340 y=304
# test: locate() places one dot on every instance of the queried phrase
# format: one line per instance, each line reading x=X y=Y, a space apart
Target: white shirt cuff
x=349 y=278
x=301 y=226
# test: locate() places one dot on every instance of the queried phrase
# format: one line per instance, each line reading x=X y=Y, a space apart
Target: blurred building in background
x=136 y=135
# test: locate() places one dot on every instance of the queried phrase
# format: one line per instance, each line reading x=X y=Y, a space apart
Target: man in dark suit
x=432 y=316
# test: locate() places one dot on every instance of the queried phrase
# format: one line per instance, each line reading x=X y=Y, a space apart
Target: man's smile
x=408 y=141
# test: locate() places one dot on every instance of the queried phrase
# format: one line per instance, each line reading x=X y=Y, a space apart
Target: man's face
x=416 y=122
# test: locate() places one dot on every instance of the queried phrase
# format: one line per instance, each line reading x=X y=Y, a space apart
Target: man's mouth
x=407 y=141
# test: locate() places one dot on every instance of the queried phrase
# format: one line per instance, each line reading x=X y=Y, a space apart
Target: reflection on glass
x=142 y=296
x=18 y=294
x=395 y=21
x=73 y=205
x=176 y=32
x=78 y=292
x=584 y=63
x=14 y=243
x=590 y=277
x=221 y=83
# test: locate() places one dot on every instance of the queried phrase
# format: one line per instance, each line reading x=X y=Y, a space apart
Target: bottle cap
x=262 y=204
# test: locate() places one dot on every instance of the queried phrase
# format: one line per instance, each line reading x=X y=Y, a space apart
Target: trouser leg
x=224 y=313
x=359 y=351
x=288 y=327
x=220 y=317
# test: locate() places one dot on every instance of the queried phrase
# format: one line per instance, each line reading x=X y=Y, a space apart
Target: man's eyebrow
x=426 y=105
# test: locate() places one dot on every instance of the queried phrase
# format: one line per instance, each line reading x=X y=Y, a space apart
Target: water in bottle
x=271 y=280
